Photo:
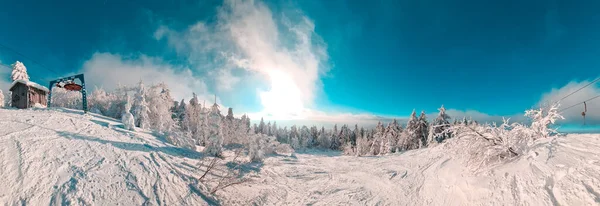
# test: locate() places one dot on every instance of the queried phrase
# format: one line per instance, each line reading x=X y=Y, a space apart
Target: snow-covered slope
x=52 y=157
x=559 y=171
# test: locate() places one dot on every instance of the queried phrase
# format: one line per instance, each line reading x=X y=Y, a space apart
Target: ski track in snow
x=568 y=174
x=52 y=157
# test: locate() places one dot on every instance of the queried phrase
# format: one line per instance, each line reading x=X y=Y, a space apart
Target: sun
x=284 y=99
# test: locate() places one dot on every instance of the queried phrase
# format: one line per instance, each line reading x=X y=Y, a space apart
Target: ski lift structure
x=69 y=84
x=584 y=111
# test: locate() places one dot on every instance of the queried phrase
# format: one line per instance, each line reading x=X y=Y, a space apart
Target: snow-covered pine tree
x=229 y=126
x=140 y=107
x=440 y=126
x=335 y=139
x=1 y=99
x=306 y=138
x=180 y=112
x=268 y=129
x=191 y=121
x=377 y=139
x=422 y=130
x=410 y=138
x=255 y=129
x=214 y=144
x=261 y=127
x=392 y=133
x=127 y=118
x=161 y=104
x=274 y=130
x=294 y=138
x=19 y=72
x=324 y=139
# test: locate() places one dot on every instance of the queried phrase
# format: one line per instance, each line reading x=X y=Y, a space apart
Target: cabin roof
x=29 y=84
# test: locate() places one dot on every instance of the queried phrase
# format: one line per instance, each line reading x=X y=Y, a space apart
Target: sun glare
x=284 y=99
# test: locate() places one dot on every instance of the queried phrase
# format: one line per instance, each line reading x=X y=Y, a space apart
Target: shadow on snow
x=174 y=151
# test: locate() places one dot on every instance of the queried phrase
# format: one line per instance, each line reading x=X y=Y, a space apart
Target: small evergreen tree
x=19 y=72
x=440 y=125
x=422 y=129
x=140 y=108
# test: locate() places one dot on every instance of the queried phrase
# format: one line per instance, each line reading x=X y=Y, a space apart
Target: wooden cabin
x=26 y=94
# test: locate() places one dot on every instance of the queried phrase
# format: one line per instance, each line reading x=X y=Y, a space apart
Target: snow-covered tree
x=378 y=138
x=410 y=136
x=214 y=144
x=294 y=137
x=440 y=126
x=324 y=139
x=140 y=107
x=261 y=127
x=392 y=133
x=160 y=103
x=1 y=99
x=422 y=129
x=66 y=99
x=335 y=139
x=19 y=72
x=127 y=118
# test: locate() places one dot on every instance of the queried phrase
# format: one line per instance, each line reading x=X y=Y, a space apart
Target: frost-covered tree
x=180 y=112
x=192 y=121
x=127 y=118
x=294 y=137
x=160 y=103
x=214 y=144
x=261 y=127
x=140 y=107
x=378 y=138
x=439 y=131
x=19 y=72
x=392 y=133
x=335 y=139
x=66 y=99
x=422 y=129
x=306 y=137
x=1 y=99
x=410 y=137
x=324 y=139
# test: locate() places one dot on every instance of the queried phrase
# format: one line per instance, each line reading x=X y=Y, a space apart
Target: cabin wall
x=20 y=96
x=37 y=96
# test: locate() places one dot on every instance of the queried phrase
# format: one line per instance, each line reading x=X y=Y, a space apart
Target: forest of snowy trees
x=191 y=124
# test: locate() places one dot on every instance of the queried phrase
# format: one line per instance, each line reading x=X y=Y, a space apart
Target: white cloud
x=573 y=115
x=5 y=78
x=247 y=35
x=105 y=70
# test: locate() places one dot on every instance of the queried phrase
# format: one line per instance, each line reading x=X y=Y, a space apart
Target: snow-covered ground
x=559 y=171
x=60 y=157
x=57 y=158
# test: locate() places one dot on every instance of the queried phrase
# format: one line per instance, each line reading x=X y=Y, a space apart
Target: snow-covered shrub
x=260 y=145
x=490 y=144
x=127 y=118
x=178 y=138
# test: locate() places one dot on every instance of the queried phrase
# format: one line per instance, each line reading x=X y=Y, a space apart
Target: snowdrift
x=58 y=157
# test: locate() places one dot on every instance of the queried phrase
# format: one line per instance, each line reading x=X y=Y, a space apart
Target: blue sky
x=479 y=58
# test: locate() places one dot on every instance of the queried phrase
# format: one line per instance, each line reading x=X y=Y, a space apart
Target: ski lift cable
x=579 y=103
x=592 y=82
x=32 y=60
